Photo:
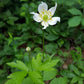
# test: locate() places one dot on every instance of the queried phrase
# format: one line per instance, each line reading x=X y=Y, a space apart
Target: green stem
x=43 y=44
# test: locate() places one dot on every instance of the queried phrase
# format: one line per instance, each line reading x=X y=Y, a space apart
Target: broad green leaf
x=36 y=77
x=59 y=81
x=17 y=77
x=27 y=81
x=36 y=62
x=74 y=21
x=82 y=21
x=48 y=75
x=75 y=11
x=48 y=66
x=74 y=80
x=20 y=65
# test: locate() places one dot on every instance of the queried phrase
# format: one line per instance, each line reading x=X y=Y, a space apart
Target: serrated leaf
x=75 y=11
x=48 y=75
x=48 y=66
x=27 y=81
x=74 y=21
x=59 y=81
x=36 y=77
x=36 y=62
x=20 y=65
x=17 y=77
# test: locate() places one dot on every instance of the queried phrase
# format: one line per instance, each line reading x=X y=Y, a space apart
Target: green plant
x=34 y=72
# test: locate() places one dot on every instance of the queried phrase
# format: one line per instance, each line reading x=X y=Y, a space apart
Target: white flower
x=45 y=15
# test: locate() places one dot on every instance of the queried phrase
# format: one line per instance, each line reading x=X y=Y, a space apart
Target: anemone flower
x=45 y=16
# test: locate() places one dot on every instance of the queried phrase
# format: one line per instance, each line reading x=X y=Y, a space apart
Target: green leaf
x=2 y=24
x=60 y=42
x=74 y=21
x=36 y=77
x=68 y=74
x=70 y=2
x=48 y=66
x=75 y=69
x=23 y=0
x=50 y=37
x=59 y=81
x=82 y=21
x=82 y=75
x=17 y=77
x=48 y=75
x=11 y=81
x=36 y=62
x=20 y=65
x=74 y=80
x=80 y=81
x=27 y=81
x=75 y=11
x=51 y=47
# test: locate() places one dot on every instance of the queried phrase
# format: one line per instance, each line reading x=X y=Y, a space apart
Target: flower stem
x=43 y=44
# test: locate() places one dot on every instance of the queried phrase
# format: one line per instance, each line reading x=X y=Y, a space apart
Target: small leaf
x=20 y=65
x=75 y=11
x=74 y=21
x=60 y=42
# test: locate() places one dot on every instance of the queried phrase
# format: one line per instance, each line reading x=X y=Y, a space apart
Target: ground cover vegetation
x=63 y=58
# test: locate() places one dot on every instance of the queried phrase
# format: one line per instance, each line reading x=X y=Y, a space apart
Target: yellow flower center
x=45 y=18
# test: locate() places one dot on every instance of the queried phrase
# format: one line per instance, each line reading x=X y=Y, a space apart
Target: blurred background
x=18 y=30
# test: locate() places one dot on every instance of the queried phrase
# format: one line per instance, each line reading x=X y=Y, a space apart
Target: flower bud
x=28 y=49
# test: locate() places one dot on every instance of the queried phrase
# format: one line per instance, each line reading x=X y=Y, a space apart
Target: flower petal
x=43 y=6
x=54 y=20
x=45 y=24
x=53 y=9
x=36 y=17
